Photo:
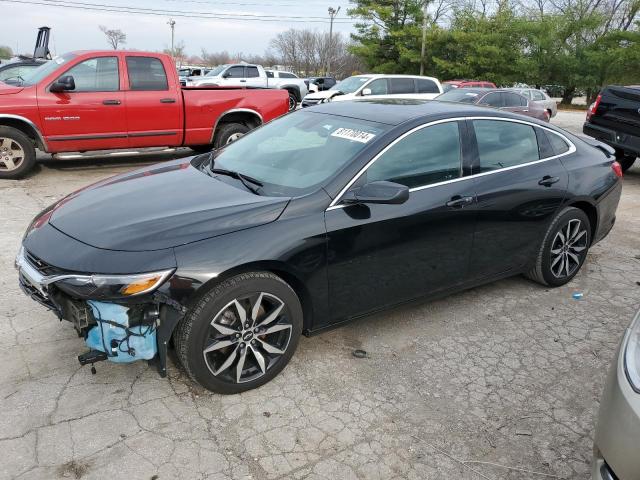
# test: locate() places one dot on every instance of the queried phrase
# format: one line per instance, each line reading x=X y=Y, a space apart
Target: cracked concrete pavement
x=505 y=375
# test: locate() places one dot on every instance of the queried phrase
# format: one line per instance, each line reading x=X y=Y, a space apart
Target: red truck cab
x=104 y=100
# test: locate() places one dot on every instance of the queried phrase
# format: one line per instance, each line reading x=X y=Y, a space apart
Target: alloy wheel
x=11 y=154
x=292 y=103
x=233 y=137
x=568 y=249
x=247 y=337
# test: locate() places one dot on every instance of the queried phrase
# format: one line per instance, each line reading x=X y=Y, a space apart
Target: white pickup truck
x=253 y=76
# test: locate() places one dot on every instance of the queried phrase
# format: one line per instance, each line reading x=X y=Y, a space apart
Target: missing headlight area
x=120 y=332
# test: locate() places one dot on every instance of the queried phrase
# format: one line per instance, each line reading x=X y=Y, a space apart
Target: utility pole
x=424 y=35
x=332 y=14
x=172 y=24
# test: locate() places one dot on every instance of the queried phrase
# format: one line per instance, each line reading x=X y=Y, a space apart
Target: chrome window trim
x=335 y=204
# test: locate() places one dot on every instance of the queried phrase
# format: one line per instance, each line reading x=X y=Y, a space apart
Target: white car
x=377 y=86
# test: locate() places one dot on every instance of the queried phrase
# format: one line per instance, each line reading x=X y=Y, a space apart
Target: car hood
x=328 y=94
x=6 y=89
x=160 y=206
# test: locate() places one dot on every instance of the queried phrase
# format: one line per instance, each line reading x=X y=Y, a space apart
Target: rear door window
x=401 y=85
x=513 y=100
x=503 y=144
x=538 y=95
x=426 y=86
x=146 y=74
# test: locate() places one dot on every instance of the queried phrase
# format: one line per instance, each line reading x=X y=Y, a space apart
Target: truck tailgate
x=619 y=110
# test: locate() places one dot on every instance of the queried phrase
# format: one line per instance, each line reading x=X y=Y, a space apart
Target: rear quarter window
x=427 y=86
x=558 y=144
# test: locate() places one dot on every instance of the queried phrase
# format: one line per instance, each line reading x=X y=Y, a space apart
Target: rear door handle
x=458 y=202
x=243 y=80
x=111 y=102
x=167 y=100
x=548 y=180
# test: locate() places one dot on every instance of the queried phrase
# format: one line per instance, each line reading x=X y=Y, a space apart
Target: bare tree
x=115 y=38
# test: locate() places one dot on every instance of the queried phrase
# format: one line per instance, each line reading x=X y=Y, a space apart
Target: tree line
x=578 y=45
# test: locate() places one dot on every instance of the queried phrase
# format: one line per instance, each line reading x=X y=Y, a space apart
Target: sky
x=77 y=29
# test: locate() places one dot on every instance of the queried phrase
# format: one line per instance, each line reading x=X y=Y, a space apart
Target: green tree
x=5 y=52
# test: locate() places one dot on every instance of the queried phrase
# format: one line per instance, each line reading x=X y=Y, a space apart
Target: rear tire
x=293 y=101
x=563 y=249
x=227 y=355
x=229 y=132
x=17 y=153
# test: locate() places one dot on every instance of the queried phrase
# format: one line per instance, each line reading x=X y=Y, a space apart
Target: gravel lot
x=505 y=375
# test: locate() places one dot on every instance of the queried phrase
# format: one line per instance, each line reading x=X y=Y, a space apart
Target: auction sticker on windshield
x=351 y=134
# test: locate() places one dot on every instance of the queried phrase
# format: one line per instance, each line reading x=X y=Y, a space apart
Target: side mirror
x=366 y=91
x=382 y=192
x=226 y=75
x=63 y=84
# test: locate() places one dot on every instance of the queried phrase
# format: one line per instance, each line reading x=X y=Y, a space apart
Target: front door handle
x=167 y=100
x=243 y=80
x=111 y=102
x=458 y=201
x=548 y=180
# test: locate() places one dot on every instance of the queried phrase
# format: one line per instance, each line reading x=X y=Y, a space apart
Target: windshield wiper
x=245 y=179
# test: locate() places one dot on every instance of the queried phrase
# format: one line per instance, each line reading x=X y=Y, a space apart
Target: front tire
x=563 y=250
x=17 y=153
x=241 y=334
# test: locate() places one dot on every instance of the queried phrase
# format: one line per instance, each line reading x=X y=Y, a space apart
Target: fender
x=32 y=126
x=234 y=110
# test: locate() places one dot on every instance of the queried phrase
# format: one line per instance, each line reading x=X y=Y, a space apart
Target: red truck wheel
x=229 y=132
x=17 y=153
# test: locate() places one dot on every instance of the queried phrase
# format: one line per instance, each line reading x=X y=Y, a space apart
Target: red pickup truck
x=104 y=100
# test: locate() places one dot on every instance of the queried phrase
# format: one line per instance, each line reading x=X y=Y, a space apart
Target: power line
x=177 y=13
x=305 y=4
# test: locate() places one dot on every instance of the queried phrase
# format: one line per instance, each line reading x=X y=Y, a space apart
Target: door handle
x=167 y=100
x=547 y=181
x=243 y=80
x=458 y=201
x=111 y=102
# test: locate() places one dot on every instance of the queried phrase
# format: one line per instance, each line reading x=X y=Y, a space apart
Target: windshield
x=292 y=155
x=46 y=69
x=216 y=71
x=464 y=95
x=350 y=85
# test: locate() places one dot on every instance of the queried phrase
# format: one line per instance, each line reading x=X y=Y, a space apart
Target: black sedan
x=316 y=218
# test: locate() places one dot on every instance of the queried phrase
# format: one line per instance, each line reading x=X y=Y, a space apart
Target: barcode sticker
x=351 y=134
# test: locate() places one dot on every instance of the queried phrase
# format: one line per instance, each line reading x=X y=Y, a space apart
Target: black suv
x=614 y=118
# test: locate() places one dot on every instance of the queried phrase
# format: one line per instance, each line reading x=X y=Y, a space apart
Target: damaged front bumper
x=121 y=330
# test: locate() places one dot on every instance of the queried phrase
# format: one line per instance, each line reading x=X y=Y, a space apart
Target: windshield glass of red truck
x=43 y=71
x=294 y=154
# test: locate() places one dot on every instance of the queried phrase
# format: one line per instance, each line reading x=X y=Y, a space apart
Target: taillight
x=617 y=169
x=593 y=107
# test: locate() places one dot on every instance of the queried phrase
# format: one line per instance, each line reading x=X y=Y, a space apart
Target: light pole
x=172 y=24
x=332 y=14
x=424 y=36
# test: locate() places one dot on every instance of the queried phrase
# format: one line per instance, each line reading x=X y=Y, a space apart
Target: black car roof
x=394 y=111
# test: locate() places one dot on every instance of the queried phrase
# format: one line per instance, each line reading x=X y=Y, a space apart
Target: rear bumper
x=615 y=451
x=623 y=141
